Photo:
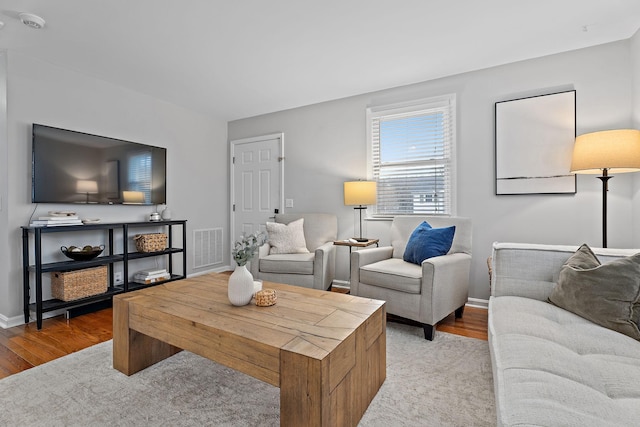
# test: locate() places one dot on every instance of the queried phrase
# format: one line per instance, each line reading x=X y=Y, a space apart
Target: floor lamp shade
x=616 y=151
x=360 y=194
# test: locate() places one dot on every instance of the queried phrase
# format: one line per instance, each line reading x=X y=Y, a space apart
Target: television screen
x=75 y=167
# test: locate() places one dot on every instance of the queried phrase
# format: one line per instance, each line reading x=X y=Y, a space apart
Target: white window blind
x=412 y=149
x=139 y=177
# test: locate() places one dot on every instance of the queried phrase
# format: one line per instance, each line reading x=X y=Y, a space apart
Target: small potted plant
x=240 y=289
x=246 y=248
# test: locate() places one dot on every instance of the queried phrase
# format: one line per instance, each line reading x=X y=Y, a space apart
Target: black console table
x=123 y=230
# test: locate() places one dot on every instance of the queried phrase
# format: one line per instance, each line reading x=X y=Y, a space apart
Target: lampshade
x=86 y=186
x=359 y=193
x=615 y=150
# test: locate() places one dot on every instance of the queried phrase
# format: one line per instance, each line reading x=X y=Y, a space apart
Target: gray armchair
x=313 y=270
x=424 y=293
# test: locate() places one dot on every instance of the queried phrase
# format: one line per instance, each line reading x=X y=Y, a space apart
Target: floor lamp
x=360 y=194
x=609 y=151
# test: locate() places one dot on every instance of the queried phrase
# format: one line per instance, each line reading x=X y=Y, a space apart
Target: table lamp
x=616 y=151
x=360 y=194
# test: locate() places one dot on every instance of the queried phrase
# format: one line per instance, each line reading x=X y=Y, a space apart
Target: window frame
x=447 y=101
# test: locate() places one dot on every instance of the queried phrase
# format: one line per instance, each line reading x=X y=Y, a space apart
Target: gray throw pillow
x=583 y=259
x=606 y=294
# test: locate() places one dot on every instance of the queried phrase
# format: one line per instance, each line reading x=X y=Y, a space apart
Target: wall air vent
x=207 y=247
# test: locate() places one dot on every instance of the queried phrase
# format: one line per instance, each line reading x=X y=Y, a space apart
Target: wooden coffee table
x=326 y=351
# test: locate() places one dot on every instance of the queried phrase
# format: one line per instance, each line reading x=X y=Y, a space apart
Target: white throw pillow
x=287 y=238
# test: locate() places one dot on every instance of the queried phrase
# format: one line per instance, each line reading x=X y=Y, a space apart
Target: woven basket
x=153 y=242
x=266 y=297
x=73 y=285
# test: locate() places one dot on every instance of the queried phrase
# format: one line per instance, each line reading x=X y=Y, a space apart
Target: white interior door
x=257 y=169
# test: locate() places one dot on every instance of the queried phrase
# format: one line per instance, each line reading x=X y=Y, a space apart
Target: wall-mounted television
x=76 y=167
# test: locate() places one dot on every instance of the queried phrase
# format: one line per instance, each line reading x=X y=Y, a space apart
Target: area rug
x=445 y=382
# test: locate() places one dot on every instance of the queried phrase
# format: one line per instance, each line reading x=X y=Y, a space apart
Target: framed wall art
x=534 y=144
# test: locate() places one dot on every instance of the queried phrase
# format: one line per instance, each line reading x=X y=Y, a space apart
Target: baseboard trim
x=478 y=303
x=343 y=284
x=10 y=322
x=213 y=270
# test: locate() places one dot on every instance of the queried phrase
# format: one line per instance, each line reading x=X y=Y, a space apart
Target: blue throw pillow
x=427 y=242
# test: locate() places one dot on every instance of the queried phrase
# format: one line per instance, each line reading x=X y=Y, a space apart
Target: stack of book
x=52 y=221
x=151 y=276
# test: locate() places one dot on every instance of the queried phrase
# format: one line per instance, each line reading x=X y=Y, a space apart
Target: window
x=412 y=149
x=139 y=177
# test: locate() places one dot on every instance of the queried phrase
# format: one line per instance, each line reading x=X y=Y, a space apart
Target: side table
x=357 y=244
x=352 y=245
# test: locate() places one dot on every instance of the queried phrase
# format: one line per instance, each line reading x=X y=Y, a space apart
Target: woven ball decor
x=266 y=297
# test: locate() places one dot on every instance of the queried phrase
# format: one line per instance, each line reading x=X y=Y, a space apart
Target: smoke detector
x=31 y=20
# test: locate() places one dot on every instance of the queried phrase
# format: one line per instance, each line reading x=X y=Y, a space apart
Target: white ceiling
x=239 y=58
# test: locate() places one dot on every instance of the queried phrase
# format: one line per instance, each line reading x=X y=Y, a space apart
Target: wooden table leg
x=133 y=351
x=333 y=389
x=301 y=394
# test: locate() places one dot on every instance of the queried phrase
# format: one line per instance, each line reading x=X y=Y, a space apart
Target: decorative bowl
x=83 y=254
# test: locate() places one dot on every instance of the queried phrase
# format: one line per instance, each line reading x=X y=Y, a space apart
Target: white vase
x=166 y=214
x=240 y=288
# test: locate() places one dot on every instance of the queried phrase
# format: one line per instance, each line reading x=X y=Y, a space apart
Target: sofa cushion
x=393 y=273
x=287 y=263
x=607 y=294
x=553 y=367
x=287 y=238
x=428 y=242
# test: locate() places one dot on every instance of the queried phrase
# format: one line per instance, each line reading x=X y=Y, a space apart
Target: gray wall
x=325 y=145
x=40 y=92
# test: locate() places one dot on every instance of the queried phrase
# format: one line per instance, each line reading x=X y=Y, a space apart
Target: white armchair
x=315 y=269
x=424 y=293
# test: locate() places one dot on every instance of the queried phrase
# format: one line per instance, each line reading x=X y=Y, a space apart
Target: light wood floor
x=23 y=347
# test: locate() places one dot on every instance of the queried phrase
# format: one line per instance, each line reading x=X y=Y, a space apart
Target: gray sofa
x=550 y=366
